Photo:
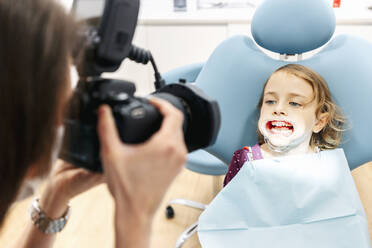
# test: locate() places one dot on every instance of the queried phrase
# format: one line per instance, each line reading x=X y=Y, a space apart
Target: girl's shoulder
x=249 y=153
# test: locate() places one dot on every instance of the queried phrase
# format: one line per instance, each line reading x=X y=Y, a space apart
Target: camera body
x=136 y=119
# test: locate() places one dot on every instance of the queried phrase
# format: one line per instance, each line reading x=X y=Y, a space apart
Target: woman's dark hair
x=36 y=41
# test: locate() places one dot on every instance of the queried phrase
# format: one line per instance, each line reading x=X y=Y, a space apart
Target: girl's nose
x=279 y=110
x=280 y=113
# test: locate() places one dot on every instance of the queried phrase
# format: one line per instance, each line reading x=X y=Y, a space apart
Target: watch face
x=43 y=223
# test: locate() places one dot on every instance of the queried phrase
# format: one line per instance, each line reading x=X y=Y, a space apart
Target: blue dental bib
x=302 y=201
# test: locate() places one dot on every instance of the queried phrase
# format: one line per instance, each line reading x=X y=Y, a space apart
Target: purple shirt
x=239 y=158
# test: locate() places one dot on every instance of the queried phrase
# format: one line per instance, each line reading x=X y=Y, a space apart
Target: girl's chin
x=281 y=139
x=279 y=142
x=278 y=135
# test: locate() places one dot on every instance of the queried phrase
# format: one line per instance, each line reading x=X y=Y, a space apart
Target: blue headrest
x=235 y=73
x=293 y=26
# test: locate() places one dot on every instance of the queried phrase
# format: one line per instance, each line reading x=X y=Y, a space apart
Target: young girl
x=295 y=189
x=298 y=116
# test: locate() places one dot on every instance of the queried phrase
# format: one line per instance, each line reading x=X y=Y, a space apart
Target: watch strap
x=43 y=222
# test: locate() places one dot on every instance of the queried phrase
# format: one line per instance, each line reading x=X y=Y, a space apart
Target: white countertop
x=348 y=14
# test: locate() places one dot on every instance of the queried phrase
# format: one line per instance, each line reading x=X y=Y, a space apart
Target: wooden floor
x=91 y=224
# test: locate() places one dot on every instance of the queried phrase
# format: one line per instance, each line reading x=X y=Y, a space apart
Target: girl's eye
x=270 y=102
x=295 y=104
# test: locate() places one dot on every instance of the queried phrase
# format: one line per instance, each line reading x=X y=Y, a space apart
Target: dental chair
x=236 y=71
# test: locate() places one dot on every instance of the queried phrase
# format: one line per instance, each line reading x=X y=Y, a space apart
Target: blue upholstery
x=293 y=26
x=188 y=72
x=203 y=162
x=235 y=73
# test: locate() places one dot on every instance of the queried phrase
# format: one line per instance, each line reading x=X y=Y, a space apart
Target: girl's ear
x=321 y=122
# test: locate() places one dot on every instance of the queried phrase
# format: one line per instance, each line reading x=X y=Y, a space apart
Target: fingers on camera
x=107 y=131
x=172 y=117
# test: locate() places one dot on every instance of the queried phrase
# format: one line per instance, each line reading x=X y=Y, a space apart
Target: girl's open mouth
x=280 y=127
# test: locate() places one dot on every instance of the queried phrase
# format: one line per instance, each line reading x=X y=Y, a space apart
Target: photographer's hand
x=64 y=182
x=138 y=176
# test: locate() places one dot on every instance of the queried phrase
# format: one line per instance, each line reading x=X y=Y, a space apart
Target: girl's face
x=288 y=116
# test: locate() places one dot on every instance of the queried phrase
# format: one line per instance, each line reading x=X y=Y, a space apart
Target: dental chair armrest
x=188 y=72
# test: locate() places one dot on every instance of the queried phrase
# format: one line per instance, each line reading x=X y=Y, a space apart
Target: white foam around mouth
x=281 y=131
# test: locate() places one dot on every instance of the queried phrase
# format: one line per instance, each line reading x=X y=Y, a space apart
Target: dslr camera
x=107 y=29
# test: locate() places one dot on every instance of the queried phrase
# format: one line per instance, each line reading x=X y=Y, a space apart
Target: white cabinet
x=171 y=46
x=364 y=31
x=237 y=29
x=174 y=45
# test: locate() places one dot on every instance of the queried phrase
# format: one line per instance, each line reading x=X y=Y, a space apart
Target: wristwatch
x=43 y=222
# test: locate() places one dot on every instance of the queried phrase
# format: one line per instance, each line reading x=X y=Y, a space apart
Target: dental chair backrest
x=235 y=73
